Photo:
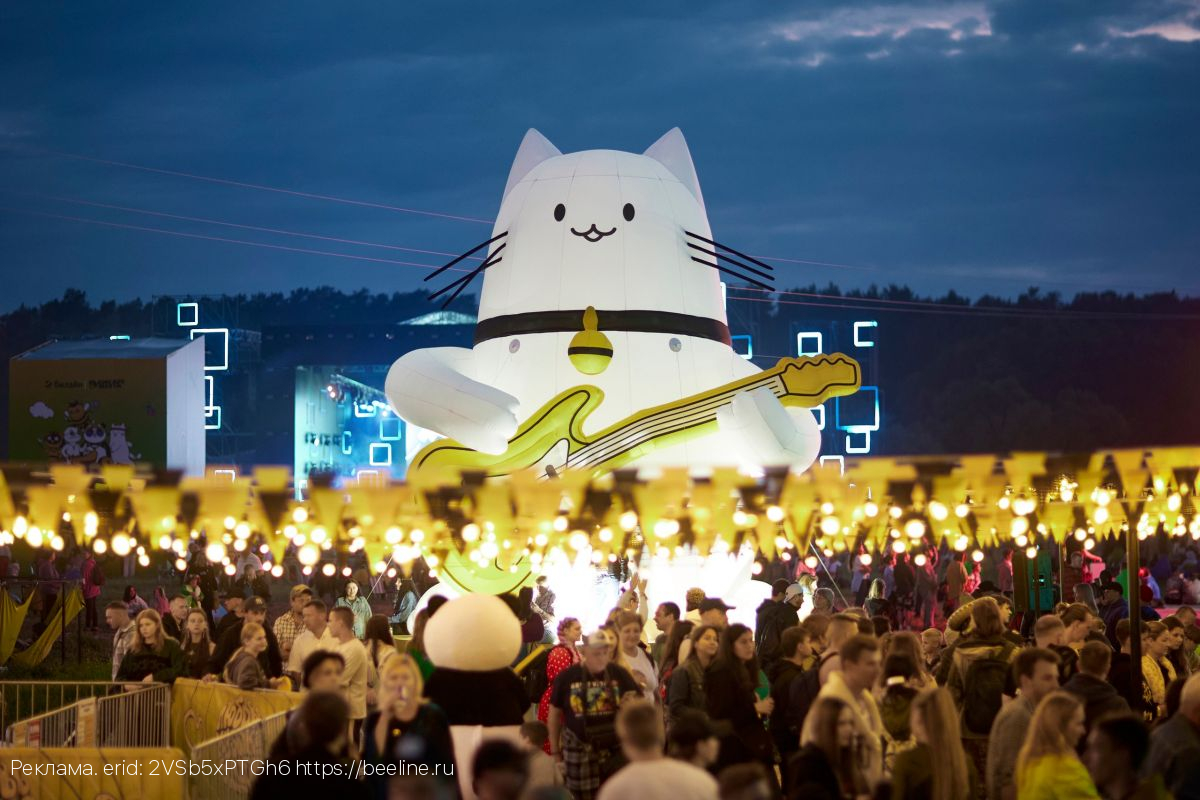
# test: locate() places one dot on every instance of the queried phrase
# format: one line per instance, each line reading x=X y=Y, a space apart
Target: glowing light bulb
x=666 y=528
x=830 y=526
x=914 y=529
x=961 y=510
x=1031 y=552
x=215 y=551
x=230 y=570
x=977 y=556
x=605 y=534
x=871 y=509
x=865 y=559
x=1100 y=515
x=628 y=521
x=181 y=565
x=308 y=555
x=100 y=546
x=919 y=559
x=346 y=572
x=470 y=532
x=299 y=514
x=1080 y=534
x=242 y=530
x=938 y=510
x=827 y=508
x=277 y=571
x=560 y=524
x=20 y=527
x=899 y=546
x=961 y=543
x=811 y=562
x=775 y=514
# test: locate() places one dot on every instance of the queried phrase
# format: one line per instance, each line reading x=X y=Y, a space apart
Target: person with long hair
x=197 y=647
x=1157 y=671
x=243 y=669
x=135 y=604
x=731 y=697
x=161 y=604
x=680 y=631
x=908 y=643
x=1048 y=767
x=1177 y=652
x=405 y=726
x=358 y=605
x=937 y=768
x=153 y=656
x=688 y=681
x=827 y=767
x=378 y=639
x=562 y=655
x=416 y=646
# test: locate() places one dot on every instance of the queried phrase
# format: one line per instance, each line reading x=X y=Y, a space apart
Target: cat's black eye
x=628 y=212
x=560 y=211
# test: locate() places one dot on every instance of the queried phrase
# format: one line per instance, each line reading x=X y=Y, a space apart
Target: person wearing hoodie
x=1090 y=684
x=772 y=618
x=796 y=646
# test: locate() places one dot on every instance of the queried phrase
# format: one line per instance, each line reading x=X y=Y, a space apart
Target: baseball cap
x=298 y=590
x=792 y=591
x=255 y=605
x=714 y=604
x=597 y=639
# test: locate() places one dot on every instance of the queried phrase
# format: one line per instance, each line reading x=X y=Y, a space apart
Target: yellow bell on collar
x=590 y=350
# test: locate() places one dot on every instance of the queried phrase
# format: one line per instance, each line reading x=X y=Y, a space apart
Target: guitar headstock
x=811 y=380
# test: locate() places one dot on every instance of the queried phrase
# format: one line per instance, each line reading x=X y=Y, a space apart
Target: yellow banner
x=69 y=605
x=87 y=773
x=12 y=617
x=200 y=711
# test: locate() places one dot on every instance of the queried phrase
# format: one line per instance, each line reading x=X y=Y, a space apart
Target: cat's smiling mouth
x=593 y=234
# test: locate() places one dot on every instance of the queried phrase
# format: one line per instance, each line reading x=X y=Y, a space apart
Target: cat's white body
x=570 y=244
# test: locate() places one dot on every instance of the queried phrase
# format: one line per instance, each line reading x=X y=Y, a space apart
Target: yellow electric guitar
x=553 y=440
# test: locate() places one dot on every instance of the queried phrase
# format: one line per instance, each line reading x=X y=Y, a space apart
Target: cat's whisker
x=734 y=273
x=737 y=253
x=467 y=254
x=733 y=261
x=465 y=280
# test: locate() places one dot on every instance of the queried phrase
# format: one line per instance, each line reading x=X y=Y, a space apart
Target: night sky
x=979 y=146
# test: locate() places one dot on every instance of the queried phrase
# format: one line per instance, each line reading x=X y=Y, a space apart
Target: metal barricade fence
x=24 y=699
x=139 y=718
x=252 y=742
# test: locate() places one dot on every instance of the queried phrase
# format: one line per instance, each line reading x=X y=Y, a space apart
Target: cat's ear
x=534 y=149
x=672 y=152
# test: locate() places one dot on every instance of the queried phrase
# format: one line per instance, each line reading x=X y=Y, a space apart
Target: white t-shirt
x=305 y=644
x=355 y=676
x=639 y=662
x=660 y=779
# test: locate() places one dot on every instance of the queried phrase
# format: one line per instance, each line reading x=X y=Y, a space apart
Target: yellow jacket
x=1056 y=778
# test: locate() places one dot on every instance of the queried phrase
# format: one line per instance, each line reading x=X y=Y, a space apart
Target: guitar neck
x=631 y=434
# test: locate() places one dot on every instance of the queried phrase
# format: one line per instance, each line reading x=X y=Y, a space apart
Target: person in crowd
x=1048 y=767
x=533 y=627
x=544 y=601
x=909 y=645
x=175 y=620
x=629 y=637
x=693 y=739
x=583 y=707
x=956 y=580
x=562 y=655
x=926 y=589
x=228 y=615
x=852 y=684
x=823 y=601
x=1157 y=671
x=253 y=583
x=937 y=768
x=315 y=636
x=1113 y=609
x=290 y=624
x=898 y=688
x=1116 y=750
x=359 y=608
x=829 y=765
x=817 y=626
x=535 y=740
x=322 y=672
x=1036 y=673
x=795 y=649
x=746 y=782
x=499 y=771
x=197 y=647
x=135 y=604
x=406 y=727
x=253 y=610
x=1177 y=652
x=666 y=617
x=416 y=645
x=93 y=578
x=877 y=603
x=1186 y=615
x=670 y=653
x=692 y=599
x=932 y=644
x=730 y=696
x=772 y=618
x=1085 y=594
x=1120 y=672
x=1175 y=746
x=1077 y=623
x=50 y=584
x=161 y=604
x=713 y=611
x=243 y=669
x=317 y=738
x=1049 y=633
x=688 y=689
x=649 y=774
x=841 y=628
x=1090 y=685
x=116 y=615
x=378 y=640
x=358 y=671
x=154 y=656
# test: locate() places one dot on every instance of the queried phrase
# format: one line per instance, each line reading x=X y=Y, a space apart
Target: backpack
x=97 y=574
x=533 y=673
x=985 y=677
x=803 y=693
x=767 y=638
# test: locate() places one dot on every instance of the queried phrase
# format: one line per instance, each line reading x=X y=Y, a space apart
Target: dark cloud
x=974 y=145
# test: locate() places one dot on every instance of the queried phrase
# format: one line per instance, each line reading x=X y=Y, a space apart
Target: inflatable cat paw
x=602 y=339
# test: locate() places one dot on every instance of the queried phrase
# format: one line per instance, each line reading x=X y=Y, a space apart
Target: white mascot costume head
x=602 y=272
x=472 y=642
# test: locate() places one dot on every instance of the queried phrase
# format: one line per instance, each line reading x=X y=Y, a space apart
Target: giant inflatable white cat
x=628 y=236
